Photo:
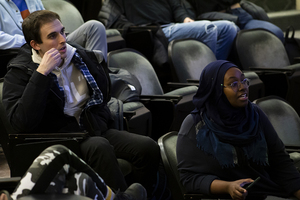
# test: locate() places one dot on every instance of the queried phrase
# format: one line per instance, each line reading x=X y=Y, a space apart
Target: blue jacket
x=11 y=35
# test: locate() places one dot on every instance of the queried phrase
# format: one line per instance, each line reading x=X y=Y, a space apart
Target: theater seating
x=286 y=123
x=284 y=119
x=262 y=52
x=167 y=144
x=72 y=19
x=188 y=57
x=127 y=89
x=5 y=56
x=163 y=106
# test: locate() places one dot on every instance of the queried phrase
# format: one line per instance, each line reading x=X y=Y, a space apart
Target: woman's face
x=235 y=88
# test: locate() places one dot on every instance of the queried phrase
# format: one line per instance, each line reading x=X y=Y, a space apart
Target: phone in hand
x=249 y=185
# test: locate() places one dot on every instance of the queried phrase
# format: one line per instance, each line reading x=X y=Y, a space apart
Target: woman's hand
x=233 y=188
x=297 y=194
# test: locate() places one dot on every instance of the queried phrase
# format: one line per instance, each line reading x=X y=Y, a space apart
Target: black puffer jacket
x=34 y=103
x=111 y=15
x=201 y=7
x=124 y=13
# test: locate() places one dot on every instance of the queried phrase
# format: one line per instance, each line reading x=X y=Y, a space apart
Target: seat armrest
x=174 y=85
x=193 y=81
x=9 y=184
x=74 y=135
x=203 y=196
x=5 y=56
x=287 y=70
x=142 y=27
x=296 y=59
x=174 y=98
x=6 y=52
x=292 y=149
x=128 y=114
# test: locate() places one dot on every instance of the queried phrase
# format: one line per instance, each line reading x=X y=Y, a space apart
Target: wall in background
x=275 y=5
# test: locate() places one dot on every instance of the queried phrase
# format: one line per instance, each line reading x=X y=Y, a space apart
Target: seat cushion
x=183 y=91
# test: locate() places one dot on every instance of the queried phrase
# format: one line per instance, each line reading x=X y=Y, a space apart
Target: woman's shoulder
x=259 y=111
x=187 y=126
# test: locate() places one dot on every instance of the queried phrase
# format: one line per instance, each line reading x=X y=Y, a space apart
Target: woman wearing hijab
x=227 y=142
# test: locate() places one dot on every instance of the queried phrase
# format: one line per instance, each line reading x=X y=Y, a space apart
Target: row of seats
x=259 y=53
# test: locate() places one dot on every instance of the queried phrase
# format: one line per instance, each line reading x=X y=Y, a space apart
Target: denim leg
x=244 y=17
x=91 y=35
x=246 y=21
x=265 y=25
x=227 y=32
x=203 y=31
x=210 y=33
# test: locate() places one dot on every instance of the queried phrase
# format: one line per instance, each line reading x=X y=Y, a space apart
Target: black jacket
x=34 y=103
x=124 y=13
x=203 y=6
x=209 y=9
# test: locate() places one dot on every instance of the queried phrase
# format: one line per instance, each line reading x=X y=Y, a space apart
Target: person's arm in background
x=11 y=35
x=8 y=41
x=112 y=15
x=187 y=20
x=179 y=13
x=122 y=23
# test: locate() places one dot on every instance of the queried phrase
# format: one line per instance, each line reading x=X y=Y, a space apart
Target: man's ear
x=35 y=45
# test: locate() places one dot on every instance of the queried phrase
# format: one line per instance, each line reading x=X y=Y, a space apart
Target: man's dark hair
x=32 y=24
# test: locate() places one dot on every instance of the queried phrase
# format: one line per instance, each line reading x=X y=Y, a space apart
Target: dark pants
x=101 y=154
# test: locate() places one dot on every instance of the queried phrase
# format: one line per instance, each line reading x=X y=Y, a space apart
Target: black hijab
x=220 y=126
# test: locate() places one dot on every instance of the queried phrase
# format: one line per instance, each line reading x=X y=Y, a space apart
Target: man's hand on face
x=50 y=60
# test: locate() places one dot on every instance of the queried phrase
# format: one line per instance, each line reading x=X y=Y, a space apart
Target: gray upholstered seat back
x=188 y=58
x=139 y=66
x=284 y=119
x=167 y=145
x=69 y=15
x=260 y=48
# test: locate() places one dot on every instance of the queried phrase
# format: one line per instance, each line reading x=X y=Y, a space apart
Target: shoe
x=134 y=192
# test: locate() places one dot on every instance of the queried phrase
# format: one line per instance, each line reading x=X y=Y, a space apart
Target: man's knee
x=227 y=27
x=95 y=25
x=96 y=145
x=149 y=150
x=209 y=28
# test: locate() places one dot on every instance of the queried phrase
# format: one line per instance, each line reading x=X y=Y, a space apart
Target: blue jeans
x=217 y=35
x=246 y=21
